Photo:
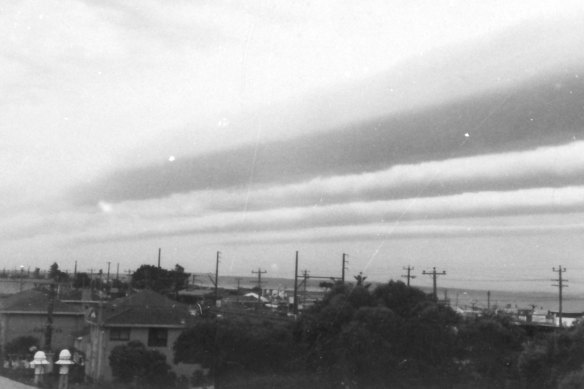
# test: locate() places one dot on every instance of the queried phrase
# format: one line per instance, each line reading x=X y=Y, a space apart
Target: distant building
x=147 y=316
x=541 y=317
x=568 y=319
x=193 y=296
x=26 y=314
x=10 y=286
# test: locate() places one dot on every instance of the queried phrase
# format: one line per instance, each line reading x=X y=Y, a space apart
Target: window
x=157 y=337
x=119 y=333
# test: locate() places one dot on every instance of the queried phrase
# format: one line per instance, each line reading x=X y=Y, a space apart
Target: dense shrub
x=133 y=362
x=22 y=347
x=252 y=345
x=546 y=361
x=368 y=339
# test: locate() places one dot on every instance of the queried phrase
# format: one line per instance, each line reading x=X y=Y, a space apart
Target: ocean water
x=542 y=300
x=547 y=301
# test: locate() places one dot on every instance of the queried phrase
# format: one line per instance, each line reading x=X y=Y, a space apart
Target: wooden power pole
x=408 y=276
x=259 y=282
x=560 y=284
x=49 y=325
x=434 y=275
x=305 y=281
x=344 y=267
x=295 y=303
x=217 y=278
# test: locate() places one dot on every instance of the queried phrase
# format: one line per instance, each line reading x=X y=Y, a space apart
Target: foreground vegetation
x=357 y=337
x=393 y=336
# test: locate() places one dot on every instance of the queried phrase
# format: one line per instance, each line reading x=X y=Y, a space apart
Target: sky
x=444 y=134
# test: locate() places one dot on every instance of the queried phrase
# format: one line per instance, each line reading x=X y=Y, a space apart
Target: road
x=5 y=383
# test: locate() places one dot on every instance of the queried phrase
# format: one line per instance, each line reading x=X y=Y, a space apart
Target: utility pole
x=295 y=304
x=49 y=326
x=488 y=300
x=434 y=275
x=305 y=275
x=159 y=255
x=217 y=278
x=107 y=288
x=75 y=270
x=118 y=272
x=408 y=276
x=344 y=267
x=259 y=282
x=560 y=284
x=21 y=277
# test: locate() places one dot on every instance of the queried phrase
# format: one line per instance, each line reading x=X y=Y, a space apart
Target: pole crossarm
x=434 y=275
x=409 y=276
x=259 y=282
x=561 y=285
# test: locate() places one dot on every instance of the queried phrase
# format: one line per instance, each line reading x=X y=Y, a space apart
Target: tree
x=81 y=280
x=237 y=344
x=159 y=279
x=120 y=285
x=573 y=380
x=388 y=335
x=326 y=284
x=360 y=278
x=366 y=347
x=21 y=346
x=133 y=361
x=491 y=345
x=57 y=275
x=400 y=298
x=545 y=361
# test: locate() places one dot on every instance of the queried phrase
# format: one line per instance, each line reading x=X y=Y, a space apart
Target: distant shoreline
x=544 y=300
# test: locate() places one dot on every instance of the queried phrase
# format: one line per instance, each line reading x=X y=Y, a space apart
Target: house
x=26 y=314
x=568 y=318
x=147 y=316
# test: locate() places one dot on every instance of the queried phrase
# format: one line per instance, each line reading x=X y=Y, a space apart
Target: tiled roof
x=34 y=301
x=146 y=308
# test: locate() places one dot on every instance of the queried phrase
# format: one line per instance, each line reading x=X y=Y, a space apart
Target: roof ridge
x=33 y=300
x=153 y=297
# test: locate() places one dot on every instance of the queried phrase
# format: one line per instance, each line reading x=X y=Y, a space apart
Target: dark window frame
x=157 y=337
x=119 y=333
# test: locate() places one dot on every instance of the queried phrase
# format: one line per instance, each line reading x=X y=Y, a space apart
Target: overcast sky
x=443 y=134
